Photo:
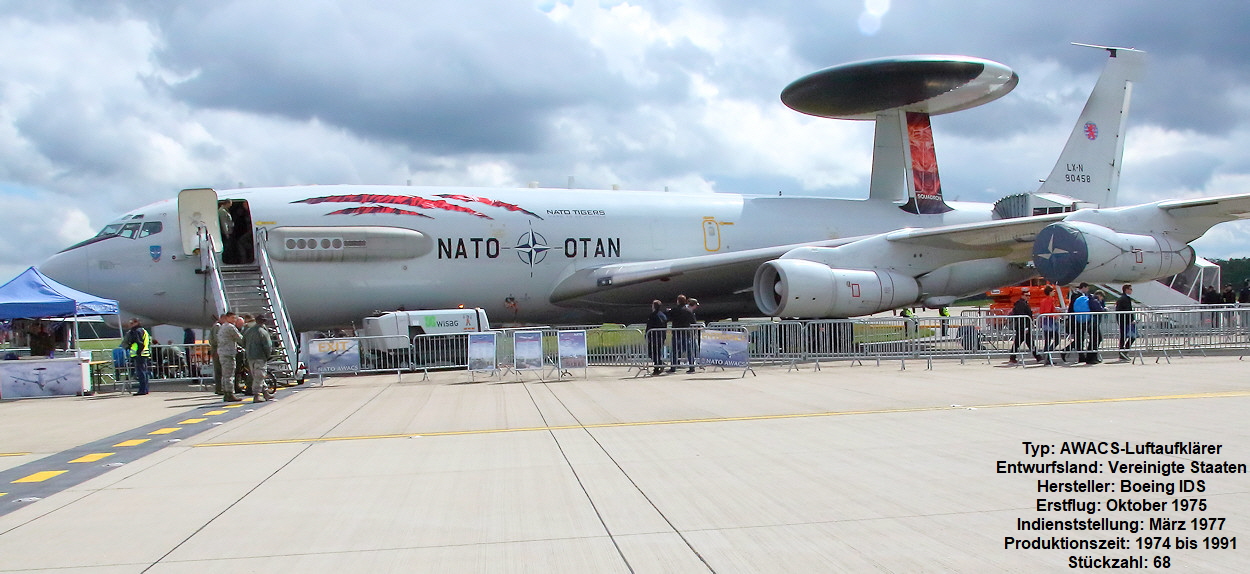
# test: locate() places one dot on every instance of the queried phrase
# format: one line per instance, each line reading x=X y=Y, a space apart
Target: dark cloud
x=117 y=103
x=440 y=77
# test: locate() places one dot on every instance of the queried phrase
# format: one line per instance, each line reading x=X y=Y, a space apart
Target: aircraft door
x=198 y=207
x=711 y=234
x=238 y=244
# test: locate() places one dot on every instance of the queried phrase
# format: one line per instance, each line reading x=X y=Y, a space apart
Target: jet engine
x=800 y=288
x=1074 y=251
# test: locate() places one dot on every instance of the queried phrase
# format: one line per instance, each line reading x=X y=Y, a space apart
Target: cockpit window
x=128 y=228
x=109 y=230
x=128 y=231
x=150 y=228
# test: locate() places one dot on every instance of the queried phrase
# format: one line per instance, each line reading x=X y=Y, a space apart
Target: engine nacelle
x=800 y=288
x=1073 y=251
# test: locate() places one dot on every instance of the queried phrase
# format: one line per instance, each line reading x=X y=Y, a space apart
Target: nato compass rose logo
x=532 y=248
x=1091 y=131
x=1060 y=253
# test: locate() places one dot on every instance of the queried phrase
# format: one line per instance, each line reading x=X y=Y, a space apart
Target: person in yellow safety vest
x=909 y=328
x=945 y=313
x=139 y=343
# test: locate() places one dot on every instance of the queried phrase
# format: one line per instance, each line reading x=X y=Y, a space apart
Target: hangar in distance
x=338 y=253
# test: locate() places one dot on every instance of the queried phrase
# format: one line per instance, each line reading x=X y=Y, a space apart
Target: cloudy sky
x=109 y=105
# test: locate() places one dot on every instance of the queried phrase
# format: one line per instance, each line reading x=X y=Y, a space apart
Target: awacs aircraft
x=338 y=253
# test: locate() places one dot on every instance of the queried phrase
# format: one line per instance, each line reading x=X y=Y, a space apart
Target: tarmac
x=849 y=468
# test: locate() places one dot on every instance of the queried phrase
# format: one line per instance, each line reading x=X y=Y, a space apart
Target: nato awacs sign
x=723 y=348
x=334 y=356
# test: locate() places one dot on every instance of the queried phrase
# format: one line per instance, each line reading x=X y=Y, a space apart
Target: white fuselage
x=504 y=260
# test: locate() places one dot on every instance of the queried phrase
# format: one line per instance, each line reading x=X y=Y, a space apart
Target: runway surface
x=845 y=469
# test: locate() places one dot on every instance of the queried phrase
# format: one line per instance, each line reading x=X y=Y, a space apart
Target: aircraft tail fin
x=924 y=187
x=1089 y=166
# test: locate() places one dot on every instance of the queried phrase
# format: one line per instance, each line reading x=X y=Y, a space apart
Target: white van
x=401 y=326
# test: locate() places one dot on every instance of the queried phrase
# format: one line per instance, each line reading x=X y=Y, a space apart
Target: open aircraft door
x=196 y=208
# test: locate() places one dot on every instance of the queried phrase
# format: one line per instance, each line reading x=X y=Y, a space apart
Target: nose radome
x=69 y=268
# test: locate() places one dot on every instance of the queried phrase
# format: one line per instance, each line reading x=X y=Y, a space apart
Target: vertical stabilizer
x=889 y=158
x=924 y=187
x=1089 y=167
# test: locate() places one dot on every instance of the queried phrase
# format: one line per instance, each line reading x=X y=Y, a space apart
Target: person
x=945 y=313
x=1080 y=325
x=212 y=349
x=657 y=322
x=1097 y=310
x=1050 y=323
x=226 y=222
x=42 y=343
x=139 y=343
x=693 y=305
x=909 y=316
x=241 y=378
x=1243 y=296
x=258 y=345
x=1211 y=297
x=1022 y=321
x=682 y=319
x=228 y=338
x=1124 y=317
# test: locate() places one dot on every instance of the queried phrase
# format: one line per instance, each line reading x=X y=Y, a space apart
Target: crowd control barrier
x=1162 y=334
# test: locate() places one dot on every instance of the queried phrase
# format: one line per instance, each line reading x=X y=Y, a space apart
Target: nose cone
x=69 y=268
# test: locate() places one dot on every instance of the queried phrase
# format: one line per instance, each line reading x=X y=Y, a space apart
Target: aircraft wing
x=714 y=273
x=733 y=272
x=998 y=235
x=1223 y=208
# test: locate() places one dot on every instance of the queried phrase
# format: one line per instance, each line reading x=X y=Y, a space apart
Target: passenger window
x=150 y=228
x=128 y=230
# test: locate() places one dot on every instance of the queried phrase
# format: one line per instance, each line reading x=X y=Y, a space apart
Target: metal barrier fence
x=1053 y=337
x=170 y=363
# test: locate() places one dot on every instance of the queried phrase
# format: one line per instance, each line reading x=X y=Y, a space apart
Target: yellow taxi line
x=742 y=418
x=133 y=442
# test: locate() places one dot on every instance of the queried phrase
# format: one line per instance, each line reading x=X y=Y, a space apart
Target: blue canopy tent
x=32 y=295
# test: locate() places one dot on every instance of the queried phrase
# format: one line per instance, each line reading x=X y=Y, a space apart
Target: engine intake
x=800 y=288
x=1069 y=252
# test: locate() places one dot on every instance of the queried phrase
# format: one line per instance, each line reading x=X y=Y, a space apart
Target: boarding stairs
x=252 y=289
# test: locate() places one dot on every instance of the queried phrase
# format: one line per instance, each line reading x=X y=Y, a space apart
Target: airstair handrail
x=281 y=319
x=210 y=269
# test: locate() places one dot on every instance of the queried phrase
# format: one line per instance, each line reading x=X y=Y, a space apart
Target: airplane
x=550 y=256
x=44 y=383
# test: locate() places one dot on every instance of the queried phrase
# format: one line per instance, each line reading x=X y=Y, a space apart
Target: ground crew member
x=228 y=338
x=139 y=343
x=258 y=345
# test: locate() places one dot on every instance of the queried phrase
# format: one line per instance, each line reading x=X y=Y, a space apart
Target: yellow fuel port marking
x=93 y=457
x=216 y=412
x=166 y=430
x=192 y=421
x=133 y=442
x=40 y=476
